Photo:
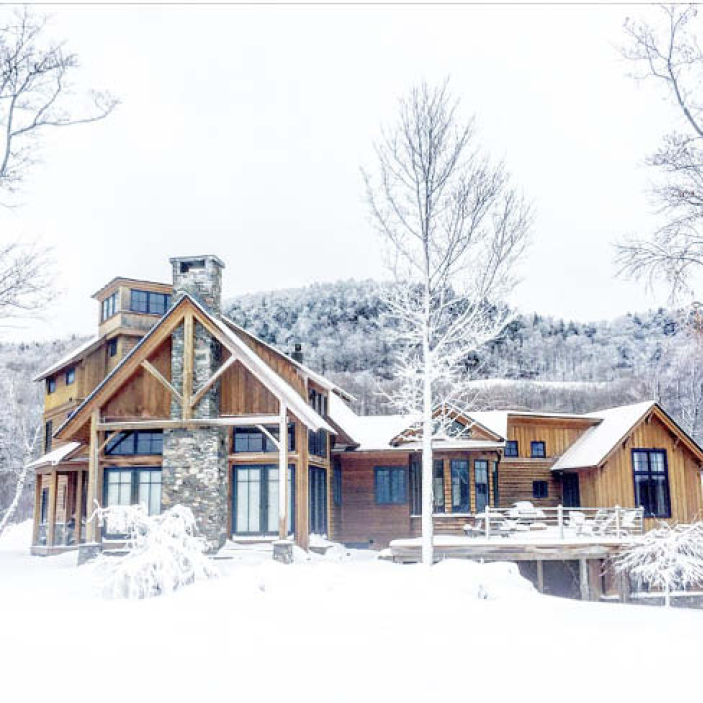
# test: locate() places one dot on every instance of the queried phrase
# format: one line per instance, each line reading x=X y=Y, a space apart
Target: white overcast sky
x=242 y=130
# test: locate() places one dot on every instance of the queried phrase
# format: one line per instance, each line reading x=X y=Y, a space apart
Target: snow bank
x=17 y=537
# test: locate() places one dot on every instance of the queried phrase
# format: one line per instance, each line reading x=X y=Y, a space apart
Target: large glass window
x=134 y=443
x=651 y=477
x=415 y=471
x=317 y=443
x=337 y=484
x=131 y=486
x=149 y=302
x=256 y=499
x=253 y=440
x=461 y=495
x=438 y=485
x=390 y=485
x=48 y=435
x=481 y=481
x=109 y=307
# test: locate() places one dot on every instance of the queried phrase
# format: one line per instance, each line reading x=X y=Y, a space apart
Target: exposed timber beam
x=212 y=380
x=269 y=435
x=162 y=380
x=231 y=421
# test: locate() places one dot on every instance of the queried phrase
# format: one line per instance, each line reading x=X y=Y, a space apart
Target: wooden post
x=624 y=587
x=560 y=515
x=188 y=355
x=78 y=515
x=53 y=490
x=583 y=579
x=37 y=508
x=302 y=500
x=540 y=575
x=595 y=568
x=487 y=513
x=91 y=528
x=283 y=472
x=617 y=521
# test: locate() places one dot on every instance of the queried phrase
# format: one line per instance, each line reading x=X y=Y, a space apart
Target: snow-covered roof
x=592 y=447
x=370 y=432
x=73 y=355
x=316 y=377
x=55 y=456
x=294 y=401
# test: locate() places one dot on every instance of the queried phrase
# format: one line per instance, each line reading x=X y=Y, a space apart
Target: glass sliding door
x=255 y=499
x=461 y=498
x=481 y=480
x=318 y=501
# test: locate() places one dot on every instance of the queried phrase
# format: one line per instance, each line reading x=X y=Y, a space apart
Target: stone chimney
x=297 y=353
x=201 y=277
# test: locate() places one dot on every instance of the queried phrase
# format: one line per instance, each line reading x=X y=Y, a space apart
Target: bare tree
x=666 y=51
x=36 y=93
x=20 y=432
x=26 y=279
x=453 y=229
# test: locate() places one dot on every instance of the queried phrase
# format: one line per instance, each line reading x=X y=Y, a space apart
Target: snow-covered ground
x=345 y=627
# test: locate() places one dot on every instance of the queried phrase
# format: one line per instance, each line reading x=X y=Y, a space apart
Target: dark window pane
x=537 y=450
x=511 y=448
x=540 y=489
x=481 y=479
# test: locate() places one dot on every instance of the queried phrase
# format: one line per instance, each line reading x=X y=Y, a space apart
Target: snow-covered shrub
x=666 y=558
x=163 y=553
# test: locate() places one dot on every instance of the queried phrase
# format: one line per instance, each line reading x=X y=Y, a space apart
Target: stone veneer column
x=195 y=468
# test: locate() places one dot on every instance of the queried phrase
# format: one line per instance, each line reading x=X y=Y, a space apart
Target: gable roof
x=56 y=456
x=74 y=355
x=126 y=368
x=594 y=446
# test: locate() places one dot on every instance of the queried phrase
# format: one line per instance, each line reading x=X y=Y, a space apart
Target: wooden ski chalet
x=173 y=403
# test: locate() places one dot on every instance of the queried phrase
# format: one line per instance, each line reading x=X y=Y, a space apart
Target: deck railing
x=561 y=522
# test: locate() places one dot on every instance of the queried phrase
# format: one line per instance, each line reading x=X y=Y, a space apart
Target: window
x=496 y=491
x=537 y=450
x=438 y=486
x=132 y=486
x=112 y=347
x=415 y=485
x=540 y=489
x=511 y=448
x=253 y=440
x=109 y=307
x=255 y=498
x=44 y=506
x=481 y=480
x=337 y=485
x=70 y=376
x=131 y=443
x=461 y=498
x=48 y=434
x=390 y=485
x=50 y=385
x=317 y=443
x=318 y=401
x=651 y=475
x=149 y=302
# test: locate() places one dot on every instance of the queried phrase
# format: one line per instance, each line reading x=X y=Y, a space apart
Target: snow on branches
x=666 y=558
x=163 y=552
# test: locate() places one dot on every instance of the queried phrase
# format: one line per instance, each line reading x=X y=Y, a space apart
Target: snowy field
x=341 y=628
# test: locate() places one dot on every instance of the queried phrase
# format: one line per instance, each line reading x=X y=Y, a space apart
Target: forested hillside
x=540 y=363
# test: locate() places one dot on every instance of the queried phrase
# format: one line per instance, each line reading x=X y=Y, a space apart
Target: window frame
x=70 y=376
x=150 y=298
x=514 y=447
x=51 y=385
x=253 y=433
x=112 y=347
x=123 y=438
x=109 y=307
x=378 y=471
x=486 y=494
x=649 y=473
x=135 y=474
x=456 y=466
x=538 y=442
x=538 y=494
x=317 y=443
x=48 y=435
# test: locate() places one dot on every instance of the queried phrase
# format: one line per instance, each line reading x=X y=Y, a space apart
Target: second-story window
x=48 y=434
x=537 y=450
x=109 y=307
x=70 y=376
x=142 y=442
x=317 y=443
x=148 y=302
x=112 y=347
x=253 y=440
x=511 y=448
x=50 y=385
x=318 y=401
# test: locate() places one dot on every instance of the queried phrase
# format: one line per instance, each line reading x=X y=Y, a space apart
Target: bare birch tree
x=36 y=93
x=666 y=52
x=453 y=229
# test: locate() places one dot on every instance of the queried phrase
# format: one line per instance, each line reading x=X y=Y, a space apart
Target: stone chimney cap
x=201 y=257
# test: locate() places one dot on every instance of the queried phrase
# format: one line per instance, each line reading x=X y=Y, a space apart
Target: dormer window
x=148 y=302
x=70 y=376
x=109 y=307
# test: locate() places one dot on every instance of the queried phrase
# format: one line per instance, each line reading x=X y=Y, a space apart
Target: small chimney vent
x=297 y=354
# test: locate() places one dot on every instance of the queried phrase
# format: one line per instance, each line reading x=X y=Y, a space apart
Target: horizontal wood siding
x=515 y=478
